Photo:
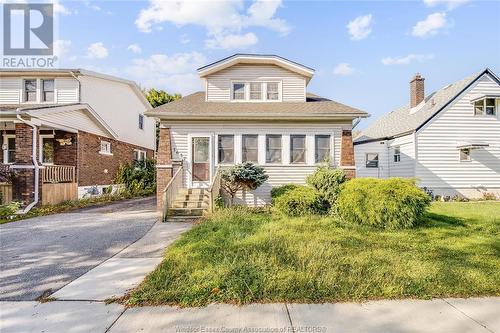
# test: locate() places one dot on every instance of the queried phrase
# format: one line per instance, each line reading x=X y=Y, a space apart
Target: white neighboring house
x=449 y=140
x=254 y=108
x=87 y=124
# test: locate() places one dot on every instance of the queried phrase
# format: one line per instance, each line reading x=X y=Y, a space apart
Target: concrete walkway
x=439 y=315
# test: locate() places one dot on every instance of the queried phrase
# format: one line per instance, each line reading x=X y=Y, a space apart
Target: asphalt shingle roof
x=406 y=119
x=195 y=106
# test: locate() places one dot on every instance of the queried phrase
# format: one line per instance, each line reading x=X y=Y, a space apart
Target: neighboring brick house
x=65 y=132
x=254 y=108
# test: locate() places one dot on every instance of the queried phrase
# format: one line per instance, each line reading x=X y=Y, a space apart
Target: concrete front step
x=182 y=219
x=190 y=204
x=185 y=211
x=197 y=191
x=191 y=197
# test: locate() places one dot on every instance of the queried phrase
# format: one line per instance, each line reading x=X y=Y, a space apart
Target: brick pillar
x=65 y=154
x=163 y=165
x=23 y=185
x=347 y=154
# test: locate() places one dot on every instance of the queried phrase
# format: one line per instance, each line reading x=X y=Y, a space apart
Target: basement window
x=106 y=148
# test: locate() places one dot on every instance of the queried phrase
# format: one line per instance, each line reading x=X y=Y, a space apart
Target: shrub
x=384 y=203
x=300 y=201
x=9 y=209
x=245 y=176
x=489 y=196
x=138 y=177
x=278 y=191
x=327 y=181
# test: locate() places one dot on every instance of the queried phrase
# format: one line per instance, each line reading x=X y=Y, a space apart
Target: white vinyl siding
x=10 y=90
x=219 y=84
x=439 y=166
x=377 y=147
x=406 y=165
x=278 y=174
x=67 y=90
x=76 y=120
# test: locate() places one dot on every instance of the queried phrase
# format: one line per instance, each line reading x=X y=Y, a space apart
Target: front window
x=226 y=149
x=255 y=90
x=47 y=151
x=322 y=144
x=30 y=90
x=372 y=160
x=47 y=90
x=9 y=149
x=464 y=154
x=105 y=147
x=485 y=106
x=238 y=91
x=272 y=91
x=273 y=148
x=297 y=148
x=250 y=148
x=397 y=154
x=139 y=155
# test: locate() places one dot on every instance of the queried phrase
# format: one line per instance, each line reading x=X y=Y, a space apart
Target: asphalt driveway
x=41 y=255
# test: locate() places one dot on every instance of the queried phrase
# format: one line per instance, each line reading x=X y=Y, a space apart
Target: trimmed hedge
x=300 y=201
x=384 y=203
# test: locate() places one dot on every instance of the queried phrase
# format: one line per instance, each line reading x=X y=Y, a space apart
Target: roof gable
x=256 y=59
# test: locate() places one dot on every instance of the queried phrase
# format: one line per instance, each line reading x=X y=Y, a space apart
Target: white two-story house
x=65 y=132
x=254 y=108
x=448 y=140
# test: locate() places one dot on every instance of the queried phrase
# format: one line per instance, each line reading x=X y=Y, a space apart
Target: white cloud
x=229 y=42
x=97 y=51
x=219 y=18
x=360 y=27
x=430 y=26
x=135 y=48
x=174 y=73
x=343 y=69
x=185 y=39
x=60 y=9
x=61 y=47
x=450 y=4
x=407 y=59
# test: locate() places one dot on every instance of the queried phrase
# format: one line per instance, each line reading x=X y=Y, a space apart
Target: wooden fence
x=53 y=194
x=5 y=193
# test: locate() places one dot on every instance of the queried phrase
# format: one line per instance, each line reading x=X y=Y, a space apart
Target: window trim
x=484 y=114
x=281 y=149
x=244 y=91
x=24 y=91
x=257 y=148
x=110 y=153
x=40 y=148
x=5 y=153
x=397 y=154
x=316 y=161
x=366 y=161
x=291 y=148
x=42 y=91
x=139 y=153
x=218 y=149
x=263 y=91
x=469 y=158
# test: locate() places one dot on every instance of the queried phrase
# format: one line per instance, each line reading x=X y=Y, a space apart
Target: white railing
x=58 y=174
x=214 y=189
x=171 y=190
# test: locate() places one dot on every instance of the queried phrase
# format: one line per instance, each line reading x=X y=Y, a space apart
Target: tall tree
x=160 y=97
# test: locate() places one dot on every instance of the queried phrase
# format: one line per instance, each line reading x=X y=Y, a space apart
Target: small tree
x=245 y=176
x=160 y=97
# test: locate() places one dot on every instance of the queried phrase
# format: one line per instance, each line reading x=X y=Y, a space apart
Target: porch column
x=23 y=184
x=66 y=150
x=347 y=154
x=163 y=165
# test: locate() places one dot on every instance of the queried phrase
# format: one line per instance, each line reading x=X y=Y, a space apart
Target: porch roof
x=195 y=107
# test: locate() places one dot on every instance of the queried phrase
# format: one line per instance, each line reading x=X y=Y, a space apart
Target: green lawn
x=241 y=257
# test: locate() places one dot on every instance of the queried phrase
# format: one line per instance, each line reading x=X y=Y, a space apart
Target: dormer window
x=47 y=90
x=485 y=106
x=256 y=91
x=238 y=91
x=272 y=91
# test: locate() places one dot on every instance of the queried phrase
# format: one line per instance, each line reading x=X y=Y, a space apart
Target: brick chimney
x=417 y=93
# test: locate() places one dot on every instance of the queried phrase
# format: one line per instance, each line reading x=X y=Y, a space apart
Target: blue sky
x=364 y=52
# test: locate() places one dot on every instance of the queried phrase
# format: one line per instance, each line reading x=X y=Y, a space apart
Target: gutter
x=35 y=165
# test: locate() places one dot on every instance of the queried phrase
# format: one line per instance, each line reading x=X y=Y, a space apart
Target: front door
x=200 y=169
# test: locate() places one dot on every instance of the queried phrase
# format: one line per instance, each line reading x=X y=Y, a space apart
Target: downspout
x=35 y=164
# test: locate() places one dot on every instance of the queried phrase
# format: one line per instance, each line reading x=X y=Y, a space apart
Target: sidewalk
x=440 y=315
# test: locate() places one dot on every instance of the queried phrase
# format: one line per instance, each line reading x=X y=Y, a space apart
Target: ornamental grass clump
x=392 y=203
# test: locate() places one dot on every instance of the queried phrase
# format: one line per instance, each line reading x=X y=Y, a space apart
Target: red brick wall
x=99 y=169
x=347 y=154
x=67 y=154
x=163 y=165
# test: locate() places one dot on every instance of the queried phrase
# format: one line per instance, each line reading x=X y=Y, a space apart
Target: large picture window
x=322 y=150
x=273 y=148
x=250 y=148
x=297 y=148
x=226 y=149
